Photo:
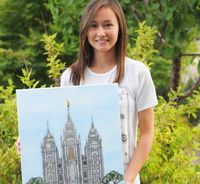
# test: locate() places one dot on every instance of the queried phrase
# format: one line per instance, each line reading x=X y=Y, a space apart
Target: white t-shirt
x=136 y=93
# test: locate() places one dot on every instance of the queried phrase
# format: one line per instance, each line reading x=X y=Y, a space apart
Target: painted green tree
x=35 y=180
x=112 y=177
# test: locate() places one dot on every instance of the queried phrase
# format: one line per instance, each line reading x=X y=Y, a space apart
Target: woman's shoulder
x=135 y=65
x=67 y=71
x=65 y=77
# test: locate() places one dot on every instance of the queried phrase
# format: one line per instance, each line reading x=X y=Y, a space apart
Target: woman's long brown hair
x=86 y=51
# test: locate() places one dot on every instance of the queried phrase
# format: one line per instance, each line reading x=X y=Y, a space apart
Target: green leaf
x=199 y=67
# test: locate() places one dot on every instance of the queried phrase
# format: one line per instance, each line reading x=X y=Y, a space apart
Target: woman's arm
x=17 y=143
x=146 y=125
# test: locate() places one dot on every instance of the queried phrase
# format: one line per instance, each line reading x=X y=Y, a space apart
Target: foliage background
x=168 y=41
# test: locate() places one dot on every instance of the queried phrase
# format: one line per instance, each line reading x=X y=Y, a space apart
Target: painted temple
x=72 y=166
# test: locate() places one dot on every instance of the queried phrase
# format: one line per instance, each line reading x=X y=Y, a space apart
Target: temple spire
x=70 y=131
x=68 y=106
x=92 y=127
x=48 y=132
x=69 y=124
x=92 y=130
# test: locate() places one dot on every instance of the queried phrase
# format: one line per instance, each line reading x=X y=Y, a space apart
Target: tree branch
x=190 y=92
x=190 y=54
x=160 y=7
x=134 y=13
x=146 y=2
x=159 y=40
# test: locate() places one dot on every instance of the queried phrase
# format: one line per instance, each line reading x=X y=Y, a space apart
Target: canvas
x=70 y=135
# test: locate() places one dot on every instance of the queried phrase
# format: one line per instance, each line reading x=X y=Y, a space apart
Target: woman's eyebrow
x=105 y=21
x=93 y=21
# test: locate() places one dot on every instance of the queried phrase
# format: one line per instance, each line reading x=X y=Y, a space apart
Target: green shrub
x=175 y=142
x=9 y=160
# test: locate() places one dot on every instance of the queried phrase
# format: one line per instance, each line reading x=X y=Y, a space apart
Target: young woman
x=102 y=60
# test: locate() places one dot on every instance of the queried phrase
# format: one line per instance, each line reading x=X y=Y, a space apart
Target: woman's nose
x=100 y=31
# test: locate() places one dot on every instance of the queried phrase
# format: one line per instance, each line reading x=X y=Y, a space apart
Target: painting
x=70 y=135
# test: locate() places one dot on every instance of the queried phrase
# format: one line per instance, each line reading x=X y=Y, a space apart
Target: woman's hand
x=127 y=180
x=17 y=143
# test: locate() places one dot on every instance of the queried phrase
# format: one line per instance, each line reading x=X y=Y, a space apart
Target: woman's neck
x=103 y=61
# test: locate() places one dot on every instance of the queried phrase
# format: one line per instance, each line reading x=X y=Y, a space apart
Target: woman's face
x=103 y=32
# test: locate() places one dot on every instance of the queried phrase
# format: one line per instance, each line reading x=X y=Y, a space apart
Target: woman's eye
x=108 y=25
x=93 y=26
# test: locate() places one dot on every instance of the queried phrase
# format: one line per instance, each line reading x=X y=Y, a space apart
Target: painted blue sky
x=37 y=106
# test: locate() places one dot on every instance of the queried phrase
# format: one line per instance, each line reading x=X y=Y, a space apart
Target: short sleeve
x=65 y=78
x=146 y=94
